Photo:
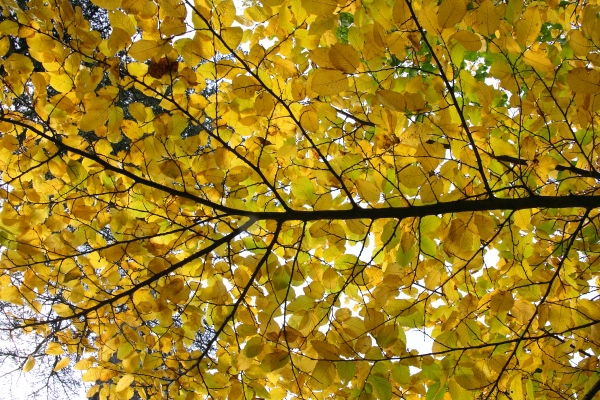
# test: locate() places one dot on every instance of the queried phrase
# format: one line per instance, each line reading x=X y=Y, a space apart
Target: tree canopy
x=213 y=200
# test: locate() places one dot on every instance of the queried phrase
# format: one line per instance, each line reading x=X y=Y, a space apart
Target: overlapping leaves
x=196 y=241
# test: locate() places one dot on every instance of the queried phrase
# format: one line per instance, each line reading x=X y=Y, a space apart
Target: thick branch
x=592 y=392
x=575 y=170
x=450 y=207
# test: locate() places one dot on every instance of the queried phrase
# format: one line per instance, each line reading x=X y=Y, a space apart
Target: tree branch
x=592 y=392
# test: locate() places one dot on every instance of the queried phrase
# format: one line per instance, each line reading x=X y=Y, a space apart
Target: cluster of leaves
x=180 y=192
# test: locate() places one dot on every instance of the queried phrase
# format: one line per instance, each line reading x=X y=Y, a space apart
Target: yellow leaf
x=522 y=218
x=119 y=40
x=143 y=50
x=560 y=317
x=4 y=46
x=11 y=294
x=584 y=80
x=344 y=58
x=138 y=111
x=108 y=4
x=523 y=311
x=9 y=27
x=137 y=69
x=173 y=27
x=579 y=43
x=529 y=26
x=118 y=19
x=232 y=37
x=488 y=18
x=61 y=82
x=331 y=279
x=253 y=347
x=328 y=82
x=92 y=374
x=368 y=191
x=319 y=7
x=538 y=61
x=451 y=12
x=54 y=349
x=501 y=301
x=245 y=86
x=124 y=382
x=501 y=147
x=470 y=41
x=319 y=229
x=65 y=361
x=264 y=104
x=516 y=387
x=29 y=364
x=74 y=273
x=401 y=14
x=62 y=310
x=412 y=177
x=393 y=100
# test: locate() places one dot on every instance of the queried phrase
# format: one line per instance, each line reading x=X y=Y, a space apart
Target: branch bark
x=592 y=392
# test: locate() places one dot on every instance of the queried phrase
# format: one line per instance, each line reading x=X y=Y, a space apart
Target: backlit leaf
x=344 y=58
x=64 y=362
x=124 y=382
x=29 y=364
x=328 y=82
x=451 y=12
x=583 y=80
x=143 y=50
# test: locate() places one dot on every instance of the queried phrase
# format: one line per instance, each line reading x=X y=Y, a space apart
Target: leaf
x=401 y=14
x=538 y=61
x=303 y=190
x=328 y=82
x=501 y=147
x=412 y=177
x=269 y=199
x=528 y=27
x=583 y=80
x=108 y=4
x=124 y=383
x=451 y=12
x=63 y=363
x=401 y=373
x=344 y=58
x=501 y=302
x=232 y=37
x=392 y=100
x=253 y=347
x=522 y=218
x=469 y=40
x=368 y=191
x=54 y=349
x=326 y=350
x=488 y=18
x=381 y=387
x=29 y=364
x=264 y=104
x=319 y=7
x=143 y=50
x=245 y=86
x=579 y=43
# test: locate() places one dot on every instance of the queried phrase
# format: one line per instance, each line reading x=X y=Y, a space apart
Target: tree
x=363 y=169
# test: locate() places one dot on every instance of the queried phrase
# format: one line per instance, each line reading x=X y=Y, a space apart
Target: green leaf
x=381 y=387
x=303 y=190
